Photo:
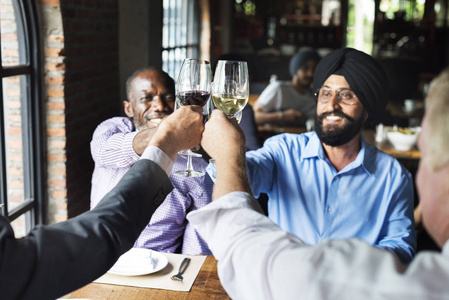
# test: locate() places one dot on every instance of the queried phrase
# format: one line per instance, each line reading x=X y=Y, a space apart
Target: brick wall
x=80 y=44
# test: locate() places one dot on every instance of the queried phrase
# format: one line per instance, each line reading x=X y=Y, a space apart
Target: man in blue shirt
x=331 y=184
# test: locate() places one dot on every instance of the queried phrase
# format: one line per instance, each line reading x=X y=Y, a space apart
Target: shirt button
x=329 y=209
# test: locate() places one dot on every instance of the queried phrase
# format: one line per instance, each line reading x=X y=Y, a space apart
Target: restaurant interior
x=65 y=64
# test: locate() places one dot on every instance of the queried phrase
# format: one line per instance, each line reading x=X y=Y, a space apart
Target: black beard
x=335 y=136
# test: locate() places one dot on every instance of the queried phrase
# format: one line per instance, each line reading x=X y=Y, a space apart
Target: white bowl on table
x=403 y=139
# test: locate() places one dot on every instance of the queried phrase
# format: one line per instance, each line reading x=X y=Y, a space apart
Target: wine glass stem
x=189 y=167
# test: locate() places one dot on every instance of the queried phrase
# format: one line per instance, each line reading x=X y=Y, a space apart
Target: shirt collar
x=313 y=147
x=365 y=157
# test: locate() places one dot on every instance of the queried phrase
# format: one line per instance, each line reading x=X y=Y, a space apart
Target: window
x=360 y=25
x=180 y=34
x=21 y=180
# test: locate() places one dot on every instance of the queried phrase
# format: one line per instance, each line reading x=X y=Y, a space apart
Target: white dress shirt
x=158 y=156
x=257 y=260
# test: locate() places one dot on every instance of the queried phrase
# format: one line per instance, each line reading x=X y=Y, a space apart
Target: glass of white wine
x=230 y=89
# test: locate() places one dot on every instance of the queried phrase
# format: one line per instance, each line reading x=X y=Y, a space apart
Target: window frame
x=190 y=16
x=32 y=120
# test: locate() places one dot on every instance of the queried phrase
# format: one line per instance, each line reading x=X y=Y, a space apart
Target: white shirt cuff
x=158 y=156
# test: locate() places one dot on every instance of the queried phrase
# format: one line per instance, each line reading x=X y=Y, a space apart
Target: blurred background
x=65 y=63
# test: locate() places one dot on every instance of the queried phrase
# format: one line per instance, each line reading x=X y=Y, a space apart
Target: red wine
x=193 y=98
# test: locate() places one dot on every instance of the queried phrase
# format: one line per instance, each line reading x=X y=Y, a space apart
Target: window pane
x=180 y=28
x=19 y=226
x=12 y=93
x=360 y=25
x=12 y=35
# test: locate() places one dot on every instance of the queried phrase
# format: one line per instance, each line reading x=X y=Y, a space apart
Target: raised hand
x=180 y=130
x=222 y=138
x=291 y=115
x=225 y=142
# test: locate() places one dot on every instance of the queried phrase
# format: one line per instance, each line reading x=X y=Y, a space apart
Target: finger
x=196 y=108
x=218 y=113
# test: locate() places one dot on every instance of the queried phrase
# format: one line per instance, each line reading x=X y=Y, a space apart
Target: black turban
x=301 y=58
x=363 y=73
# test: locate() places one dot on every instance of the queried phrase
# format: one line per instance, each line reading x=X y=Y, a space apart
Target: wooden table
x=413 y=154
x=206 y=286
x=387 y=147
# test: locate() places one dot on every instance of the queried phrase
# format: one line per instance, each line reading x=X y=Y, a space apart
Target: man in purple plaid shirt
x=117 y=144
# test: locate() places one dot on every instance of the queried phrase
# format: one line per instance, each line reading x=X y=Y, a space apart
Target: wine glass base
x=189 y=152
x=191 y=173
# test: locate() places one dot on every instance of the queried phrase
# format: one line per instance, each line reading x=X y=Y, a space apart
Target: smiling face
x=151 y=97
x=338 y=123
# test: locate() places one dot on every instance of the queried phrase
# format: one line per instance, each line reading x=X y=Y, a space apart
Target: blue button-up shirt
x=371 y=198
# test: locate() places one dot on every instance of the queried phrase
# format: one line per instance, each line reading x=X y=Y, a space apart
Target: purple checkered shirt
x=168 y=230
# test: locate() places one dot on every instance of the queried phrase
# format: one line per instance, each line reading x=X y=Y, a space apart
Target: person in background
x=117 y=144
x=290 y=103
x=332 y=184
x=54 y=260
x=258 y=260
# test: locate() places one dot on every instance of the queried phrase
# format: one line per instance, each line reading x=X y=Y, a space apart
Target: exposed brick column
x=54 y=72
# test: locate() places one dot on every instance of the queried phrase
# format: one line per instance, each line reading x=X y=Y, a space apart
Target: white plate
x=139 y=261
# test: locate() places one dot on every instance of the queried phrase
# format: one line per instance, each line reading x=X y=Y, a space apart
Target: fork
x=182 y=268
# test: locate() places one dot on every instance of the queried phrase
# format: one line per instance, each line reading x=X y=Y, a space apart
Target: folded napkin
x=162 y=279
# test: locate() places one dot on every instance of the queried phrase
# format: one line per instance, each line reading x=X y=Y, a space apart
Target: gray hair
x=437 y=118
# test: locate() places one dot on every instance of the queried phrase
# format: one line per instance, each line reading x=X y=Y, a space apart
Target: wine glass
x=230 y=89
x=193 y=88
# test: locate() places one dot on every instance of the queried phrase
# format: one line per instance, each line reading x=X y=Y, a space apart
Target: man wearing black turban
x=364 y=78
x=330 y=183
x=290 y=103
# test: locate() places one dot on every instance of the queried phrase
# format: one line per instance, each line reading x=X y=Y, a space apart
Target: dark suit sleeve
x=56 y=259
x=249 y=127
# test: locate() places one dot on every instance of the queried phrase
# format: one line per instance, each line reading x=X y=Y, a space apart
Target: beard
x=140 y=126
x=336 y=136
x=306 y=82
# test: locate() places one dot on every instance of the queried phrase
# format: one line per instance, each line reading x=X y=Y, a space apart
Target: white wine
x=229 y=104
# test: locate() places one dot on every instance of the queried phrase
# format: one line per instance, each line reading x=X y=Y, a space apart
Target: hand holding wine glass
x=225 y=141
x=222 y=138
x=230 y=90
x=181 y=130
x=193 y=88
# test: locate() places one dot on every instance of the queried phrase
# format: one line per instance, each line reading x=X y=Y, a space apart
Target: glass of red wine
x=193 y=87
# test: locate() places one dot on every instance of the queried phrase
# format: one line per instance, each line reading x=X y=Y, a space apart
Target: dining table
x=206 y=286
x=368 y=134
